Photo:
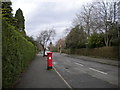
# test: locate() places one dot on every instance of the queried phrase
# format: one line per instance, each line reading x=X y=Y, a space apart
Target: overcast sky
x=44 y=14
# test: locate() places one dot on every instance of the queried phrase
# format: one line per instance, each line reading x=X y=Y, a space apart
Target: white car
x=46 y=52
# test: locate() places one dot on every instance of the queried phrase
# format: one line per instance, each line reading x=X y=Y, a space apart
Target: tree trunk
x=44 y=52
x=60 y=50
x=43 y=49
x=106 y=41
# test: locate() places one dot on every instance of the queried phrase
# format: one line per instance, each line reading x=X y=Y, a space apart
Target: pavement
x=103 y=61
x=37 y=76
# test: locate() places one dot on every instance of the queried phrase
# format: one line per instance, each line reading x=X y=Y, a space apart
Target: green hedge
x=103 y=52
x=17 y=53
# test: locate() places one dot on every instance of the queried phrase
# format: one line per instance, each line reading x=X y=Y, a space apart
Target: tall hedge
x=17 y=52
x=102 y=52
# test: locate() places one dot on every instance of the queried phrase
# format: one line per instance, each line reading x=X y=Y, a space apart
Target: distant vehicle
x=46 y=52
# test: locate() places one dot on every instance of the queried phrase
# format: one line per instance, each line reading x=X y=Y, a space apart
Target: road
x=80 y=73
x=37 y=76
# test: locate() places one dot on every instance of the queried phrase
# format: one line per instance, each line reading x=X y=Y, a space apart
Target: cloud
x=44 y=14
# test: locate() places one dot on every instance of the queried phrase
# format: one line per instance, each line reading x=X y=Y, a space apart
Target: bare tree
x=44 y=37
x=108 y=15
x=84 y=18
x=99 y=17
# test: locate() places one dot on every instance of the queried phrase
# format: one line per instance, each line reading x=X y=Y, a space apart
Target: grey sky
x=45 y=14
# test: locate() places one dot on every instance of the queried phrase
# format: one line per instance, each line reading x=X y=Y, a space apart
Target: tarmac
x=99 y=60
x=37 y=76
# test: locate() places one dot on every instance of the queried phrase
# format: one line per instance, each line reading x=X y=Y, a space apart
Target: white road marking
x=79 y=64
x=54 y=62
x=97 y=71
x=62 y=78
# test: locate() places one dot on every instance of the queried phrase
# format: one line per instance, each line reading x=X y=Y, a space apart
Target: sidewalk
x=104 y=61
x=37 y=76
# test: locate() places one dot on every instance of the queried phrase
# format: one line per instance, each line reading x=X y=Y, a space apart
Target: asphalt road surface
x=37 y=76
x=85 y=74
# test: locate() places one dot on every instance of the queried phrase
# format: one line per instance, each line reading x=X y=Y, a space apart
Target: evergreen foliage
x=20 y=20
x=16 y=55
x=17 y=51
x=96 y=41
x=76 y=38
x=7 y=12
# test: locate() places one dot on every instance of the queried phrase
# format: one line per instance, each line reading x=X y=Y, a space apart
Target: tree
x=44 y=37
x=99 y=17
x=76 y=38
x=20 y=21
x=96 y=40
x=84 y=18
x=31 y=39
x=7 y=12
x=52 y=48
x=108 y=13
x=60 y=44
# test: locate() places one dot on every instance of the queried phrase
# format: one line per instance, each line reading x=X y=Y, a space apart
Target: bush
x=103 y=52
x=17 y=52
x=95 y=41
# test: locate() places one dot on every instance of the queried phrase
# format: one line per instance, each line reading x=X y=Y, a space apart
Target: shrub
x=17 y=52
x=102 y=52
x=96 y=40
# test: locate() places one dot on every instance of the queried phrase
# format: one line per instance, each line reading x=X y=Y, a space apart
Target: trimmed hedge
x=103 y=52
x=17 y=52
